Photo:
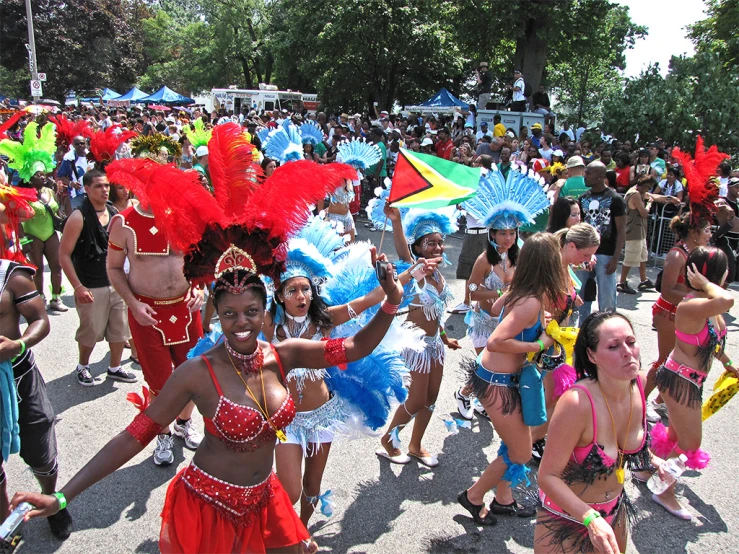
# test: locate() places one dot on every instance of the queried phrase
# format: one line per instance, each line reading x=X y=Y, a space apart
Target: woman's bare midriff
x=315 y=394
x=340 y=209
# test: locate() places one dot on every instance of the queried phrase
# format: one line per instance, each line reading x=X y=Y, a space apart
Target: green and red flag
x=425 y=181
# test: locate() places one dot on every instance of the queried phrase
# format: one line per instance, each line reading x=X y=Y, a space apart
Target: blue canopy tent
x=441 y=102
x=132 y=96
x=109 y=94
x=166 y=95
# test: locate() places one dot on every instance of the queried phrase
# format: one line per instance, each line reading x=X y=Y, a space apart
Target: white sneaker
x=186 y=432
x=464 y=404
x=460 y=308
x=163 y=455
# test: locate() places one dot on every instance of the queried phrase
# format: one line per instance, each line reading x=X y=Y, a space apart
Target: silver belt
x=476 y=231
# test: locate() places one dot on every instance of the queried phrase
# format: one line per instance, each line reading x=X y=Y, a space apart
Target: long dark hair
x=494 y=256
x=559 y=213
x=317 y=313
x=588 y=339
x=539 y=272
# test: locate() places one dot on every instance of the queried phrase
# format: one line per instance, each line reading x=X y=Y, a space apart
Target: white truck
x=267 y=98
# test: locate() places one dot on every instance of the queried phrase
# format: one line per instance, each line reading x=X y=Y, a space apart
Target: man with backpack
x=518 y=103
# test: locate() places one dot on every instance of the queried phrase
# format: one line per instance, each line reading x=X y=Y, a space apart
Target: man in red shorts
x=162 y=309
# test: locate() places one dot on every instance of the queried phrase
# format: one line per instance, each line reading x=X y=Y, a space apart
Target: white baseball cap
x=201 y=151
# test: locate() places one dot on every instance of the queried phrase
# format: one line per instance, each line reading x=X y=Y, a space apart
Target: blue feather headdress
x=418 y=223
x=376 y=210
x=262 y=134
x=311 y=133
x=358 y=154
x=304 y=260
x=323 y=236
x=284 y=144
x=502 y=204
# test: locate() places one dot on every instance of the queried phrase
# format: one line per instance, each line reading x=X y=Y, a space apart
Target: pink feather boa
x=564 y=377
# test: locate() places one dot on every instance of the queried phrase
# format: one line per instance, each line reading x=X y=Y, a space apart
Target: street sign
x=36 y=89
x=42 y=77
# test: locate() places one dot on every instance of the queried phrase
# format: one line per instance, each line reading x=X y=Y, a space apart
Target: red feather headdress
x=67 y=129
x=103 y=144
x=15 y=118
x=700 y=173
x=16 y=207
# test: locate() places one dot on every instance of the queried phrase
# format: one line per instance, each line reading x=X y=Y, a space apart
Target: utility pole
x=31 y=46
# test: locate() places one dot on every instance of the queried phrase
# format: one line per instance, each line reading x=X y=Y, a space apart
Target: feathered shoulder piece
x=151 y=146
x=323 y=236
x=284 y=144
x=304 y=260
x=700 y=173
x=66 y=130
x=35 y=153
x=311 y=133
x=418 y=223
x=198 y=135
x=358 y=153
x=507 y=203
x=103 y=144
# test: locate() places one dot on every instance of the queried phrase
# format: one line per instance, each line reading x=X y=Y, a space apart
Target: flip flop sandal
x=401 y=459
x=489 y=520
x=135 y=360
x=512 y=509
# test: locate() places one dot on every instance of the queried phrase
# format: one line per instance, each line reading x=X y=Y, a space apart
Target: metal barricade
x=660 y=236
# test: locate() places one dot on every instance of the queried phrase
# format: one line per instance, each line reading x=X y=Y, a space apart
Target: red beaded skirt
x=204 y=514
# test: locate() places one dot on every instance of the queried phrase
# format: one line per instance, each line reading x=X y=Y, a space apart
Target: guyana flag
x=425 y=181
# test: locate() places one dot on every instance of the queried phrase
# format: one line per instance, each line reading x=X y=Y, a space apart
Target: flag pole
x=382 y=238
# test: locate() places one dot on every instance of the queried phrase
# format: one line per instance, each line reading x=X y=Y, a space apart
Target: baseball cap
x=483 y=124
x=384 y=112
x=427 y=142
x=575 y=161
x=201 y=151
x=540 y=164
x=536 y=126
x=558 y=152
x=733 y=181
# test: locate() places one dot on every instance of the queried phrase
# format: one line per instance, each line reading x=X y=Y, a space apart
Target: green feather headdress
x=199 y=136
x=35 y=153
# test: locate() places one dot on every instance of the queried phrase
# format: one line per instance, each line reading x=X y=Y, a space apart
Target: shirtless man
x=162 y=309
x=19 y=297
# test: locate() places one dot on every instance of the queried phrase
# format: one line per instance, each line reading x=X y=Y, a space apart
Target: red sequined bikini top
x=244 y=428
x=148 y=240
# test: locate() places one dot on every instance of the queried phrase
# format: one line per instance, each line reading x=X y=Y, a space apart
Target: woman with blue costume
x=299 y=310
x=498 y=372
x=420 y=234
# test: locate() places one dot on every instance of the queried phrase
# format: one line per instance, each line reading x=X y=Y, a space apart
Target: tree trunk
x=531 y=50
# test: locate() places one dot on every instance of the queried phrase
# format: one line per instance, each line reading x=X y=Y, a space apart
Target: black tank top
x=90 y=254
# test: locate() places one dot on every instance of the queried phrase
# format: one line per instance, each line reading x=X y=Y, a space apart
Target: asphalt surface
x=379 y=508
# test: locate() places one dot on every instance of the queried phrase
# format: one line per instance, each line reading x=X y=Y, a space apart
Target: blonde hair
x=582 y=235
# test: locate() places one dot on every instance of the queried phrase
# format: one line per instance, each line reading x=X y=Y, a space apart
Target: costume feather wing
x=134 y=174
x=322 y=235
x=234 y=175
x=34 y=149
x=284 y=197
x=700 y=172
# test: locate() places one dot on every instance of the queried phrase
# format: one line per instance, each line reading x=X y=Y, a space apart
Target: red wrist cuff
x=389 y=308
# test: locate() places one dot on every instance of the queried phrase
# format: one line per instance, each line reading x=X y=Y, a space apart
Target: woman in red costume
x=228 y=499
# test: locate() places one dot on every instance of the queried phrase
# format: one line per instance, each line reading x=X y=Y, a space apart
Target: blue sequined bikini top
x=433 y=302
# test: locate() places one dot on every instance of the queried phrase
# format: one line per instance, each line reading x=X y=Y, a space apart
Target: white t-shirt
x=569 y=133
x=546 y=154
x=668 y=190
x=480 y=134
x=518 y=95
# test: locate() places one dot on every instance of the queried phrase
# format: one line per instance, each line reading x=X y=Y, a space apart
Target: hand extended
x=602 y=536
x=453 y=344
x=44 y=505
x=429 y=265
x=83 y=295
x=9 y=348
x=393 y=214
x=392 y=287
x=143 y=314
x=194 y=299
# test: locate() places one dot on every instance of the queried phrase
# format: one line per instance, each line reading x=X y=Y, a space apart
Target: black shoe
x=60 y=524
x=512 y=509
x=489 y=520
x=84 y=377
x=122 y=375
x=537 y=450
x=625 y=287
x=646 y=285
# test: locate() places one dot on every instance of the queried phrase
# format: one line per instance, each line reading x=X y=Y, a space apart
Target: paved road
x=379 y=508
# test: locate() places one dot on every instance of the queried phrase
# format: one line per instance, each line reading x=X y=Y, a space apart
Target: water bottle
x=10 y=526
x=674 y=468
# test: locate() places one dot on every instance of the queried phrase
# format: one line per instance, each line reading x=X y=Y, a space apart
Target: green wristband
x=23 y=350
x=728 y=362
x=60 y=498
x=589 y=518
x=541 y=344
x=442 y=333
